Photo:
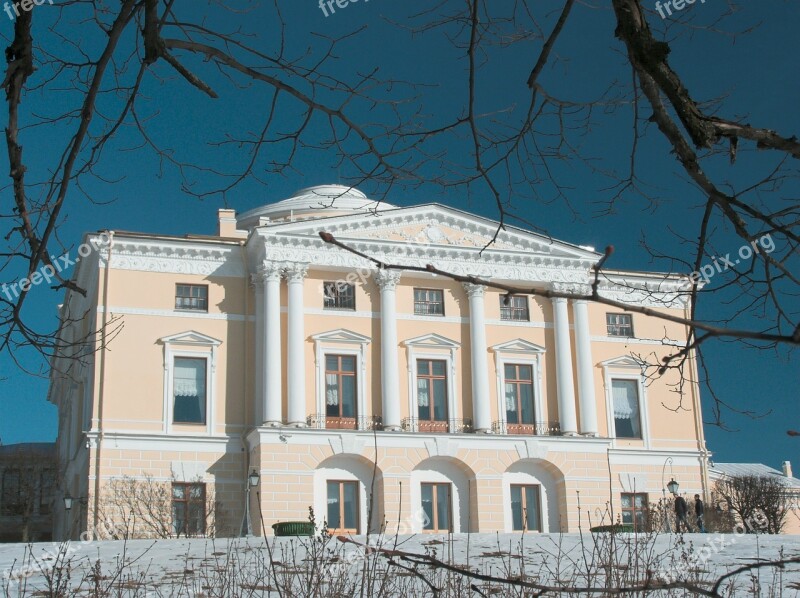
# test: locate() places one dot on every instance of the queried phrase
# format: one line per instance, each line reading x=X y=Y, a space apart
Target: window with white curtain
x=518 y=383
x=189 y=390
x=340 y=389
x=627 y=414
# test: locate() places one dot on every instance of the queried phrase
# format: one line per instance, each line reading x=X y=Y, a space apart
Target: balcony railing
x=534 y=429
x=321 y=421
x=414 y=424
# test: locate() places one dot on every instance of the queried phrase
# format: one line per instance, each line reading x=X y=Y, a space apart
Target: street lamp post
x=664 y=493
x=68 y=502
x=252 y=481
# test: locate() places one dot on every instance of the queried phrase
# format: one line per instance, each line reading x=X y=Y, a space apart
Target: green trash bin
x=293 y=528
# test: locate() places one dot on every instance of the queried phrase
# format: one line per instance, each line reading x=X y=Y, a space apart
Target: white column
x=566 y=389
x=295 y=342
x=390 y=384
x=479 y=360
x=583 y=351
x=270 y=367
x=260 y=364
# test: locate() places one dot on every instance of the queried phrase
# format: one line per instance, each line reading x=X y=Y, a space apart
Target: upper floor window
x=191 y=296
x=432 y=395
x=514 y=308
x=525 y=508
x=428 y=302
x=188 y=509
x=518 y=382
x=339 y=295
x=619 y=324
x=627 y=418
x=634 y=510
x=340 y=391
x=189 y=390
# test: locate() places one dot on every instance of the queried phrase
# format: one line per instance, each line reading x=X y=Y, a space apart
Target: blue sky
x=756 y=72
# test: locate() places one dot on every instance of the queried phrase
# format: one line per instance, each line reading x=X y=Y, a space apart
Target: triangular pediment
x=625 y=361
x=435 y=228
x=518 y=346
x=189 y=337
x=432 y=340
x=341 y=336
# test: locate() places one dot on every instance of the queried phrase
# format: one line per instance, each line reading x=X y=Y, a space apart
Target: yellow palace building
x=274 y=372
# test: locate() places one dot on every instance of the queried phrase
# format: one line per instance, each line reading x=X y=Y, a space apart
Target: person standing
x=699 y=511
x=681 y=509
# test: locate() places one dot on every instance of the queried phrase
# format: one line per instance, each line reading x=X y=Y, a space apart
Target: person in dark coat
x=699 y=512
x=681 y=509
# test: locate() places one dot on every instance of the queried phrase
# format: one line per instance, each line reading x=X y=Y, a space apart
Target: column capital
x=295 y=271
x=387 y=279
x=473 y=290
x=268 y=270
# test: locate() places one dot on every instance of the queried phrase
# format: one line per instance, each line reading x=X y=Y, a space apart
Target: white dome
x=313 y=202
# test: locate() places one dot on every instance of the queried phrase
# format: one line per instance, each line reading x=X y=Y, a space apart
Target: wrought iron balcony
x=321 y=421
x=534 y=429
x=414 y=424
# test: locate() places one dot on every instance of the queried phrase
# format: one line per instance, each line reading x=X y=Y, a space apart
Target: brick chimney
x=787 y=469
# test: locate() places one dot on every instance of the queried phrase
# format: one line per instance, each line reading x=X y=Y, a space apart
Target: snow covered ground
x=242 y=567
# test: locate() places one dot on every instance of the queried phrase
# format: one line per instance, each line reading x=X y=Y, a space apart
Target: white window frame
x=432 y=476
x=198 y=346
x=343 y=342
x=625 y=368
x=521 y=478
x=433 y=346
x=521 y=352
x=324 y=475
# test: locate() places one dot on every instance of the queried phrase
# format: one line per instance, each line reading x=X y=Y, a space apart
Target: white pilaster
x=583 y=351
x=270 y=367
x=566 y=389
x=390 y=384
x=295 y=342
x=481 y=411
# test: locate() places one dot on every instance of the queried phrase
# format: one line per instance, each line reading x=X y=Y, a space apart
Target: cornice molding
x=192 y=258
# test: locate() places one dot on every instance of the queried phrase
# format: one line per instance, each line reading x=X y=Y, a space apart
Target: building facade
x=27 y=479
x=372 y=396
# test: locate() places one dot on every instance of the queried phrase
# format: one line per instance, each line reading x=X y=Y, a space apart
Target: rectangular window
x=193 y=297
x=518 y=384
x=432 y=395
x=619 y=324
x=437 y=506
x=634 y=510
x=188 y=509
x=189 y=390
x=339 y=295
x=514 y=308
x=343 y=507
x=429 y=302
x=45 y=492
x=11 y=499
x=627 y=421
x=340 y=392
x=525 y=509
